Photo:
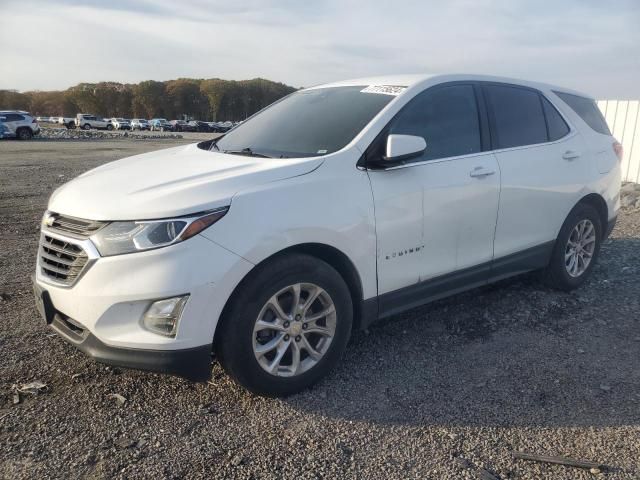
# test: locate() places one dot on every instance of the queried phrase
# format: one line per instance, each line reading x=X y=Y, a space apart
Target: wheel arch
x=329 y=254
x=598 y=202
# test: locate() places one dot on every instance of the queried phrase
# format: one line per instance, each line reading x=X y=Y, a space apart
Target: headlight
x=128 y=237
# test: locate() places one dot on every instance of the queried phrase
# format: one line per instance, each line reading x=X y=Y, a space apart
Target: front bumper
x=190 y=363
x=101 y=314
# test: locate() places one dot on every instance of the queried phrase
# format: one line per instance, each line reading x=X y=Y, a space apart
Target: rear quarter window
x=556 y=125
x=587 y=110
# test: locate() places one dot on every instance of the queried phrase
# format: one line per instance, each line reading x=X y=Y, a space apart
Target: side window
x=556 y=125
x=14 y=117
x=446 y=117
x=587 y=110
x=518 y=116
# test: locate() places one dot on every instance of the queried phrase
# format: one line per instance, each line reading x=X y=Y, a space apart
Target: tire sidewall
x=235 y=347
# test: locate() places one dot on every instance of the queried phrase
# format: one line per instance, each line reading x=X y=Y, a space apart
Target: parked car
x=67 y=122
x=199 y=126
x=160 y=124
x=119 y=124
x=336 y=206
x=182 y=126
x=87 y=121
x=224 y=126
x=20 y=124
x=139 y=124
x=213 y=126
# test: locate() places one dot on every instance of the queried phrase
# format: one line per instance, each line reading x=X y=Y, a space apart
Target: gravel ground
x=441 y=392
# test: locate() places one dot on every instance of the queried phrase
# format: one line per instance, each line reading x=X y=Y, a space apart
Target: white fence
x=623 y=117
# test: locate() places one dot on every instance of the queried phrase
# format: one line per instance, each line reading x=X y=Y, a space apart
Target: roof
x=417 y=80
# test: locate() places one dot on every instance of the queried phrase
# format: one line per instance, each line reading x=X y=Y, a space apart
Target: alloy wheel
x=294 y=330
x=580 y=248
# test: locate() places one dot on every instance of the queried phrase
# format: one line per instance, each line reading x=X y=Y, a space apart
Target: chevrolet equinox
x=335 y=206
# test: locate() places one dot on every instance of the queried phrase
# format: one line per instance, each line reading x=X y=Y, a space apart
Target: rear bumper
x=191 y=363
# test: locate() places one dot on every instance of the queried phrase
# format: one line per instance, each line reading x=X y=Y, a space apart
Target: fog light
x=162 y=316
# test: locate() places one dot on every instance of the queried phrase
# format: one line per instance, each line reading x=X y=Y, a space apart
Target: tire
x=71 y=126
x=86 y=126
x=236 y=337
x=24 y=134
x=109 y=127
x=558 y=273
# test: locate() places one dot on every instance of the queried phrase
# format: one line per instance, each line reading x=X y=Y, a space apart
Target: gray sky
x=589 y=45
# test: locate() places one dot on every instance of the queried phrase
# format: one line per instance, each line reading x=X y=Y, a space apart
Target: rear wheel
x=287 y=327
x=576 y=249
x=86 y=126
x=109 y=127
x=24 y=134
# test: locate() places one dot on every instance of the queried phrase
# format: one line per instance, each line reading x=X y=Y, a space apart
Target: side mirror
x=404 y=147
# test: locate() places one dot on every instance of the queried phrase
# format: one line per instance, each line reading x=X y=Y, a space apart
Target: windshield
x=306 y=123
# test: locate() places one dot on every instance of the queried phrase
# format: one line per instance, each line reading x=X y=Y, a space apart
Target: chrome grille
x=77 y=227
x=61 y=261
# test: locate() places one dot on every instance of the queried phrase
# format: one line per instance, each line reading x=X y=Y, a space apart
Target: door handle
x=570 y=155
x=480 y=172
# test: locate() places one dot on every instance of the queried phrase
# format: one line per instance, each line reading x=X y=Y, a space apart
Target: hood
x=167 y=183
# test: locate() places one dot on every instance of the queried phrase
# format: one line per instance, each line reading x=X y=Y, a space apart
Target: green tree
x=149 y=99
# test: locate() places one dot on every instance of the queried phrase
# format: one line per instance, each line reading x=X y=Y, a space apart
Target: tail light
x=619 y=151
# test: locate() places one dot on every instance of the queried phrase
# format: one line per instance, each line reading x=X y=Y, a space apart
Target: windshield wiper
x=246 y=152
x=214 y=143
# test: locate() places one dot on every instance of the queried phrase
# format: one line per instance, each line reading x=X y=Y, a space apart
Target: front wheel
x=86 y=126
x=287 y=326
x=576 y=249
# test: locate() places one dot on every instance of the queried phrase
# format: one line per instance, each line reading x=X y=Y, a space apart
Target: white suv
x=20 y=125
x=139 y=124
x=119 y=124
x=87 y=121
x=334 y=207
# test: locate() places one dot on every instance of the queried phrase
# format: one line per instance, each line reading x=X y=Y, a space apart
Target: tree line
x=204 y=99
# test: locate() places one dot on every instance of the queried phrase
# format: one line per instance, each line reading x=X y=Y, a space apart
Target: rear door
x=437 y=214
x=543 y=171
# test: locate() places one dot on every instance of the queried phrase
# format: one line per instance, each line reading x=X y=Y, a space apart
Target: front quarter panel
x=332 y=205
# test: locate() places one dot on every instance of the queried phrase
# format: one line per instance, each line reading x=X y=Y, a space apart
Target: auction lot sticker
x=394 y=90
